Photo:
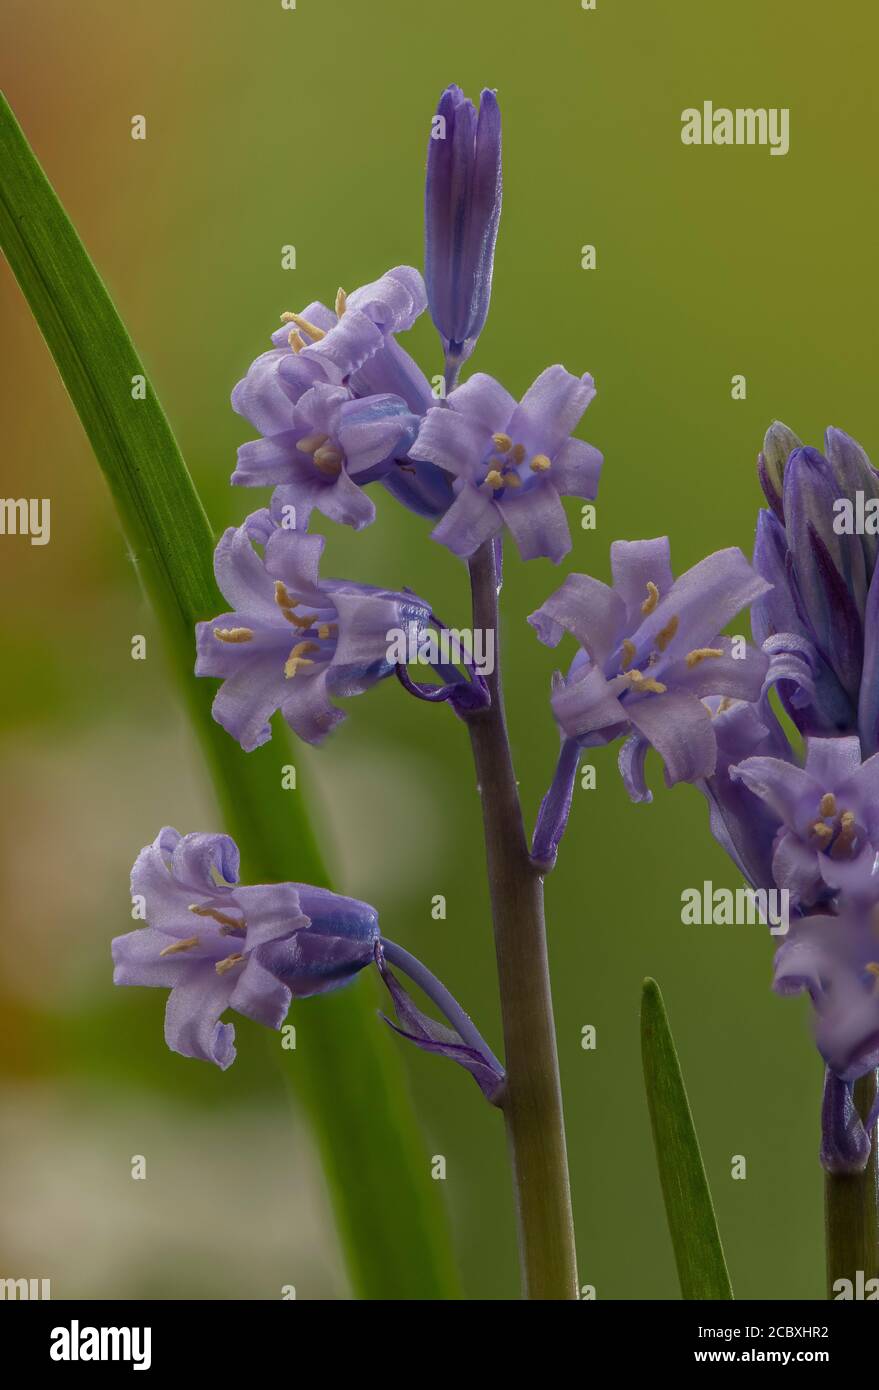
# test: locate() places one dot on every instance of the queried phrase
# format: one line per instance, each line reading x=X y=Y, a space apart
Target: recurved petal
x=246 y=700
x=393 y=302
x=630 y=760
x=679 y=728
x=551 y=409
x=193 y=1011
x=264 y=396
x=591 y=611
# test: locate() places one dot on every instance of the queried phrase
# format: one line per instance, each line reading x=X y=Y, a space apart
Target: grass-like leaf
x=387 y=1209
x=698 y=1252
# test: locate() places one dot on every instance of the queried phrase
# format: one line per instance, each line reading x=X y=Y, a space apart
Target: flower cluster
x=799 y=813
x=340 y=408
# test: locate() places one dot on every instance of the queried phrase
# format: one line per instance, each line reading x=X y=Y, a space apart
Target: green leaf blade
x=689 y=1209
x=347 y=1072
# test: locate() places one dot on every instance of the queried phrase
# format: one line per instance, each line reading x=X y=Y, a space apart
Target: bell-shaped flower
x=512 y=462
x=217 y=944
x=829 y=819
x=334 y=444
x=651 y=653
x=462 y=209
x=293 y=641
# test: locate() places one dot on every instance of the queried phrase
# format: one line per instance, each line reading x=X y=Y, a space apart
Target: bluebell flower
x=332 y=445
x=651 y=652
x=511 y=461
x=293 y=641
x=217 y=944
x=828 y=813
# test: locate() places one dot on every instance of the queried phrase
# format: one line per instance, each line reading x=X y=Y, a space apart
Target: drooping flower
x=217 y=944
x=512 y=462
x=462 y=209
x=292 y=640
x=821 y=570
x=332 y=446
x=829 y=814
x=651 y=653
x=835 y=960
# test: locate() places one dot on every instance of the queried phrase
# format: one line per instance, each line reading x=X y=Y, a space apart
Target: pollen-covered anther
x=288 y=604
x=228 y=963
x=494 y=478
x=502 y=442
x=842 y=845
x=628 y=655
x=328 y=461
x=233 y=634
x=176 y=946
x=651 y=600
x=828 y=805
x=341 y=303
x=309 y=442
x=667 y=633
x=512 y=480
x=305 y=326
x=231 y=923
x=298 y=658
x=517 y=453
x=700 y=654
x=327 y=630
x=540 y=463
x=640 y=682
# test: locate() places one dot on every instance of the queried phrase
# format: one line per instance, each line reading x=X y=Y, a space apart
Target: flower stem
x=851 y=1210
x=532 y=1102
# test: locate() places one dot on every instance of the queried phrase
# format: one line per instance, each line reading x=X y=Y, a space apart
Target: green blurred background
x=267 y=127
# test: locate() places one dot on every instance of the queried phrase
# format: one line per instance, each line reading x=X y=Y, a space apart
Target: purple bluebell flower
x=292 y=640
x=835 y=960
x=461 y=1042
x=512 y=462
x=462 y=208
x=217 y=944
x=821 y=572
x=332 y=446
x=829 y=819
x=651 y=653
